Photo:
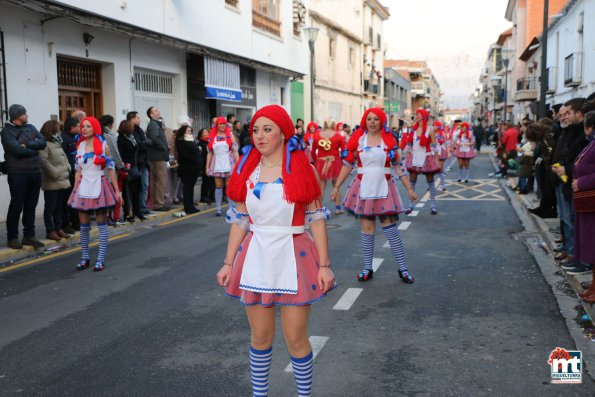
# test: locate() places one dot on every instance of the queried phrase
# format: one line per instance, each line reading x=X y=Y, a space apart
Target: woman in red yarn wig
x=422 y=155
x=222 y=156
x=92 y=192
x=270 y=259
x=464 y=150
x=373 y=193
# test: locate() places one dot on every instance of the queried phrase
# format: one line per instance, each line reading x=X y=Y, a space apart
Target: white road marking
x=386 y=245
x=414 y=213
x=404 y=226
x=376 y=262
x=420 y=205
x=317 y=343
x=348 y=299
x=425 y=198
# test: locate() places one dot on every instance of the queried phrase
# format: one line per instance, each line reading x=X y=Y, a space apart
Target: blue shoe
x=99 y=266
x=83 y=264
x=580 y=268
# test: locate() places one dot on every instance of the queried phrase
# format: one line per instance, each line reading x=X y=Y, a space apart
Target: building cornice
x=52 y=10
x=381 y=10
x=510 y=10
x=335 y=26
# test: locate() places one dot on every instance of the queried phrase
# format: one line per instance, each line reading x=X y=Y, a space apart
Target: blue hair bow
x=245 y=152
x=294 y=143
x=391 y=153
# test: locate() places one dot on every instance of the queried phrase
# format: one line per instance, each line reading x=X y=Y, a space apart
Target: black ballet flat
x=83 y=264
x=365 y=277
x=408 y=279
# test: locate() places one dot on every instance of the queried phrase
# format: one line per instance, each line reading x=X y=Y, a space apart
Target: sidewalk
x=549 y=230
x=9 y=256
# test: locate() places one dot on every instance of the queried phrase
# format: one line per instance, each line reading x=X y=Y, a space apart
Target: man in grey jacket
x=158 y=156
x=22 y=143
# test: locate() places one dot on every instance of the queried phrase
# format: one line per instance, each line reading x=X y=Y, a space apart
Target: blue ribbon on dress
x=391 y=153
x=88 y=156
x=245 y=152
x=294 y=143
x=260 y=185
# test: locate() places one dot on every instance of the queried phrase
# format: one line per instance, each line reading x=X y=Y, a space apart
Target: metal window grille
x=153 y=83
x=77 y=74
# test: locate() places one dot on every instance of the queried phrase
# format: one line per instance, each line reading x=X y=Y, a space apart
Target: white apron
x=373 y=171
x=90 y=186
x=419 y=154
x=270 y=265
x=464 y=148
x=221 y=154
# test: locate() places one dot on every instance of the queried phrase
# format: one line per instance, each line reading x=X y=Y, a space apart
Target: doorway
x=79 y=87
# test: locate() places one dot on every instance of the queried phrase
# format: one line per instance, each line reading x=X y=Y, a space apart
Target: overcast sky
x=453 y=36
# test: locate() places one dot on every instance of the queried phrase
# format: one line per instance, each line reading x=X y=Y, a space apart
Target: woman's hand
x=334 y=193
x=560 y=171
x=326 y=278
x=575 y=186
x=412 y=196
x=223 y=275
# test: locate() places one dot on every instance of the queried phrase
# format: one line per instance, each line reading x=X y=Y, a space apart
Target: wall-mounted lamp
x=50 y=48
x=88 y=38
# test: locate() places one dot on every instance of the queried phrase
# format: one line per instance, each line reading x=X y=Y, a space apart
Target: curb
x=549 y=238
x=9 y=256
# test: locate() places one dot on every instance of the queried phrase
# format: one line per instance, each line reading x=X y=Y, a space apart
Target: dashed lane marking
x=425 y=197
x=317 y=343
x=420 y=205
x=376 y=262
x=404 y=226
x=414 y=213
x=348 y=299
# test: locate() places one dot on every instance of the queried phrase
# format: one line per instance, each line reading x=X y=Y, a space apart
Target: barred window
x=153 y=82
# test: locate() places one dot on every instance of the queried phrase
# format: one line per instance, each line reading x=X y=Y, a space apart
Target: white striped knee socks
x=103 y=237
x=302 y=371
x=218 y=198
x=260 y=364
x=84 y=239
x=367 y=242
x=396 y=246
x=432 y=188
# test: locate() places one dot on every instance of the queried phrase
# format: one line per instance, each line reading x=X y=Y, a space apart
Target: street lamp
x=506 y=53
x=495 y=82
x=544 y=74
x=311 y=33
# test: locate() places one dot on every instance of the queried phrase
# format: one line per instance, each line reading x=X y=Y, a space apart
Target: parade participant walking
x=464 y=143
x=326 y=152
x=276 y=263
x=311 y=131
x=373 y=194
x=92 y=191
x=222 y=156
x=443 y=148
x=422 y=156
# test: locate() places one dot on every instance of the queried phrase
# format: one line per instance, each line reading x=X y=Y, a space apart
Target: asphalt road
x=479 y=321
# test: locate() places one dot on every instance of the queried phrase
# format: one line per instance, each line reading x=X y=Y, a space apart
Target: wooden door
x=79 y=87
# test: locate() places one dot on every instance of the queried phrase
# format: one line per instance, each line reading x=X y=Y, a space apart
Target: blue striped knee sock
x=260 y=364
x=461 y=173
x=413 y=183
x=302 y=371
x=467 y=173
x=432 y=188
x=218 y=198
x=367 y=242
x=84 y=239
x=103 y=237
x=396 y=246
x=442 y=180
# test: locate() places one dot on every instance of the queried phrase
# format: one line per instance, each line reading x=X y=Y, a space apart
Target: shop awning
x=222 y=80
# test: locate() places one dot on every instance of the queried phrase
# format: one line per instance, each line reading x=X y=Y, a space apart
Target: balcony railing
x=233 y=3
x=552 y=79
x=526 y=89
x=573 y=69
x=261 y=21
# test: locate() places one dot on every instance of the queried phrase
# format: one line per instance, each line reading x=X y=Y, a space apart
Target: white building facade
x=117 y=56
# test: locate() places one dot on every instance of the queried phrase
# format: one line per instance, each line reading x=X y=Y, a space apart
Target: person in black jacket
x=207 y=186
x=22 y=143
x=128 y=148
x=70 y=216
x=141 y=161
x=158 y=156
x=571 y=143
x=189 y=165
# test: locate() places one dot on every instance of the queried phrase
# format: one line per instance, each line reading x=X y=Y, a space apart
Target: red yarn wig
x=300 y=184
x=213 y=134
x=425 y=116
x=467 y=128
x=387 y=137
x=97 y=141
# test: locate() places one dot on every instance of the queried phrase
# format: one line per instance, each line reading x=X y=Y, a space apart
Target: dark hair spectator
x=576 y=104
x=590 y=119
x=49 y=129
x=230 y=116
x=106 y=121
x=588 y=106
x=189 y=165
x=125 y=127
x=149 y=110
x=131 y=115
x=70 y=123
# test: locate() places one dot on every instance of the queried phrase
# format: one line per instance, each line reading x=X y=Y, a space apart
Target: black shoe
x=407 y=279
x=14 y=244
x=141 y=217
x=162 y=209
x=83 y=264
x=130 y=219
x=69 y=230
x=365 y=275
x=191 y=211
x=32 y=241
x=434 y=211
x=99 y=266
